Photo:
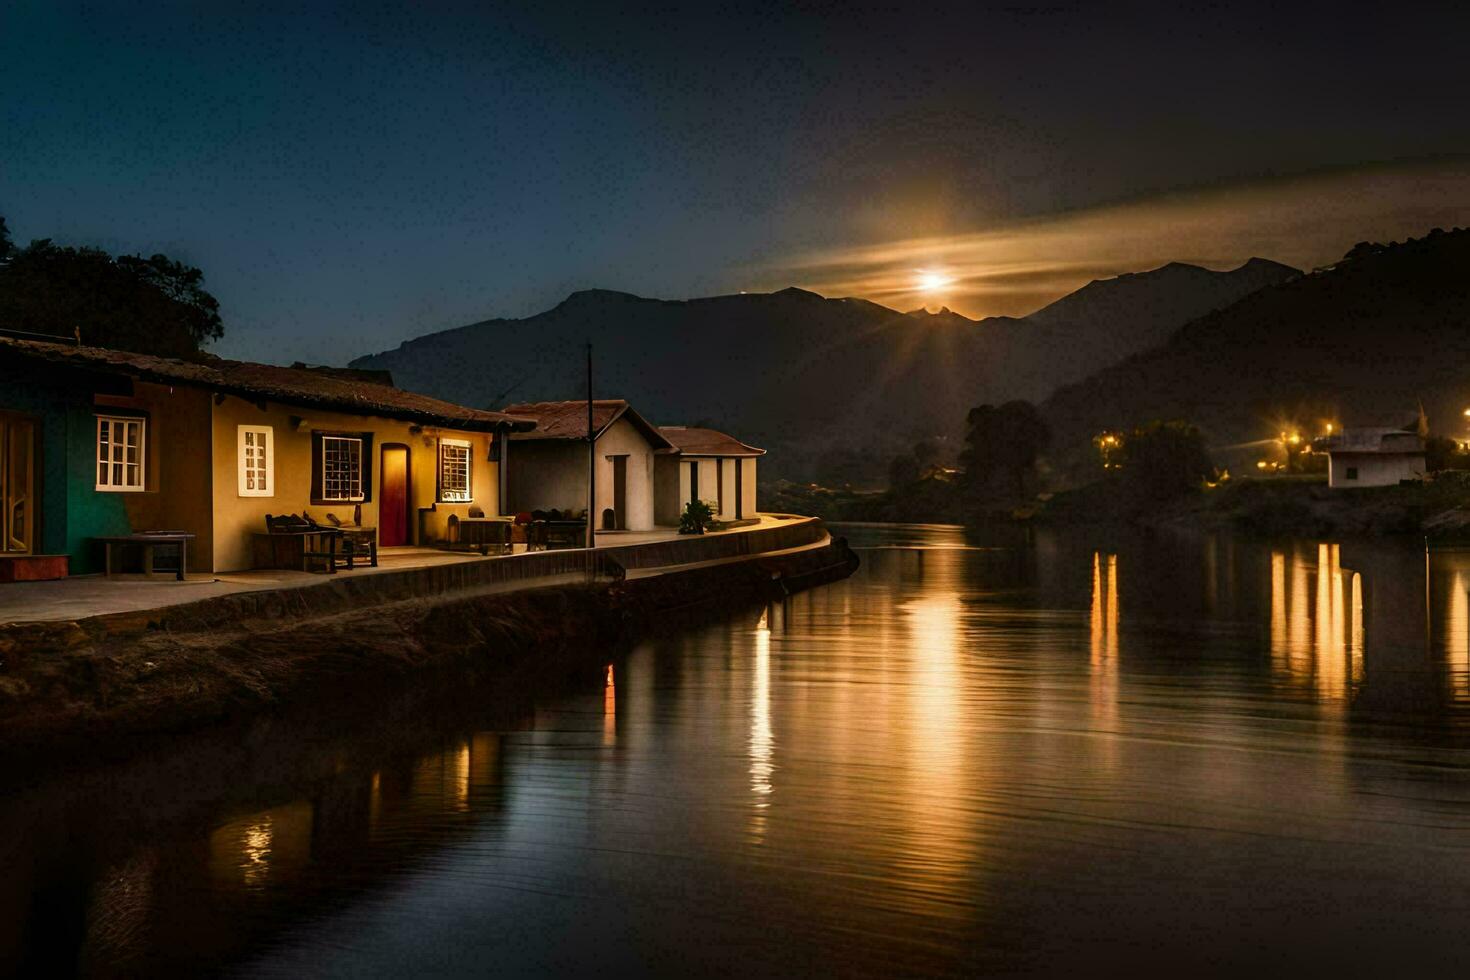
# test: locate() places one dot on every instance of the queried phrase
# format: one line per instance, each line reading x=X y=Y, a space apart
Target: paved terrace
x=652 y=552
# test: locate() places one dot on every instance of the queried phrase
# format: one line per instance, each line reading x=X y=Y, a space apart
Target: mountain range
x=1367 y=341
x=810 y=378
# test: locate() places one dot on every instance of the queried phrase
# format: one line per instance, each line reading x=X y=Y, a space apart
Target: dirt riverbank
x=109 y=685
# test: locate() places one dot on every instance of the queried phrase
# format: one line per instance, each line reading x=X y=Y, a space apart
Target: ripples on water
x=1044 y=755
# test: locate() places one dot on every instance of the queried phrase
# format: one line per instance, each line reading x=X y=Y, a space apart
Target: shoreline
x=103 y=689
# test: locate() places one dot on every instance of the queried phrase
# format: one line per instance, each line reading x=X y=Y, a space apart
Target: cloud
x=1303 y=220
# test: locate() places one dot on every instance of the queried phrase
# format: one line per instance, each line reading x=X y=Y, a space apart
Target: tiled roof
x=568 y=420
x=695 y=441
x=332 y=389
x=1371 y=439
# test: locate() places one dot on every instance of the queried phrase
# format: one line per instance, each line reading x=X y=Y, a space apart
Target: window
x=120 y=453
x=341 y=468
x=1352 y=473
x=257 y=471
x=454 y=471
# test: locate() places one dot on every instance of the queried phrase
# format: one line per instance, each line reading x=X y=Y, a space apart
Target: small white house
x=547 y=466
x=709 y=466
x=1373 y=457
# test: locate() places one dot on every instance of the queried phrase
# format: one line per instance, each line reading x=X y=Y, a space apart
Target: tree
x=153 y=305
x=1163 y=460
x=903 y=471
x=1444 y=453
x=1002 y=445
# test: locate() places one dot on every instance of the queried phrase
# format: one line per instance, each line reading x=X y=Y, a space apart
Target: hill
x=832 y=386
x=1362 y=341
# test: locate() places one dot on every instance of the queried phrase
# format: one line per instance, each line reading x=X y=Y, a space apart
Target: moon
x=933 y=282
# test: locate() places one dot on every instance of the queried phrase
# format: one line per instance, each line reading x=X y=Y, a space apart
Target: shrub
x=697 y=518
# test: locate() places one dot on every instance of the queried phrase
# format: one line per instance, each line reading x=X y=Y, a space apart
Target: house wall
x=72 y=511
x=749 y=507
x=1374 y=469
x=622 y=438
x=668 y=501
x=547 y=474
x=710 y=471
x=237 y=518
x=176 y=494
x=552 y=473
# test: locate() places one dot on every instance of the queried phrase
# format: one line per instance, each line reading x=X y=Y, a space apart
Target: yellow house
x=121 y=442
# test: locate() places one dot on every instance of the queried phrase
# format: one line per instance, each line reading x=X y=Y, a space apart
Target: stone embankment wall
x=70 y=687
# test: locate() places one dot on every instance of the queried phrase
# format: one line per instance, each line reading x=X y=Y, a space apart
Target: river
x=1063 y=752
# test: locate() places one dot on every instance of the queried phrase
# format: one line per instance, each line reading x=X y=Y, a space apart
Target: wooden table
x=566 y=534
x=295 y=549
x=481 y=532
x=358 y=541
x=148 y=540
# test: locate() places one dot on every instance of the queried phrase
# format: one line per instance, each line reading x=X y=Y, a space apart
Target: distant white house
x=1376 y=456
x=709 y=466
x=547 y=466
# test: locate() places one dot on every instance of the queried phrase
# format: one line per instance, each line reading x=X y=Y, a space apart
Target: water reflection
x=1112 y=753
x=762 y=742
x=1317 y=631
x=1103 y=638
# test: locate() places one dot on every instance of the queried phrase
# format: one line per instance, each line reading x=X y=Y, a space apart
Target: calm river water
x=1057 y=754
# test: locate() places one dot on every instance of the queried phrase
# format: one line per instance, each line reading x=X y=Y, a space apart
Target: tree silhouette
x=153 y=305
x=1002 y=446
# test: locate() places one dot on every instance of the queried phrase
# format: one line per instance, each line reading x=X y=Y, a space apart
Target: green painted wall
x=72 y=511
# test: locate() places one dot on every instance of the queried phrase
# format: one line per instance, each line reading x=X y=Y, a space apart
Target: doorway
x=620 y=493
x=17 y=485
x=393 y=516
x=740 y=489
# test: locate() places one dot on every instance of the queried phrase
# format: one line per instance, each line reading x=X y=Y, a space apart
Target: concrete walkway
x=94 y=595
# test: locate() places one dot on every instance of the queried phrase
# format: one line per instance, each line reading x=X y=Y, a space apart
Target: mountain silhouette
x=805 y=375
x=1365 y=341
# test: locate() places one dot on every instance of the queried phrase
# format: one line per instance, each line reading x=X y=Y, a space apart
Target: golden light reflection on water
x=609 y=709
x=1103 y=637
x=1317 y=631
x=938 y=761
x=1457 y=636
x=762 y=739
x=263 y=847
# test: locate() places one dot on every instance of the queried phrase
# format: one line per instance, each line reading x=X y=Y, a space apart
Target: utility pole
x=591 y=457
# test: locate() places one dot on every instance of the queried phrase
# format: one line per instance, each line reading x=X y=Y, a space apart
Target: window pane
x=117 y=476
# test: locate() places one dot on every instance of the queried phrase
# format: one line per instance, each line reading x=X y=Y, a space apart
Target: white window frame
x=249 y=471
x=360 y=496
x=105 y=482
x=469 y=466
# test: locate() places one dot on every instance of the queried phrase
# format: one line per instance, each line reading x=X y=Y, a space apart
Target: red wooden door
x=393 y=498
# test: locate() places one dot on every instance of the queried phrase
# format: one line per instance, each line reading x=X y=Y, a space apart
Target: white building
x=710 y=466
x=547 y=466
x=1373 y=457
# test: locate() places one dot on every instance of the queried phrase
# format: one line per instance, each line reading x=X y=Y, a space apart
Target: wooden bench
x=149 y=541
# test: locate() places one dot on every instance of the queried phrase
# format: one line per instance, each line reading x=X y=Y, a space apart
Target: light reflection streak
x=1317 y=633
x=609 y=709
x=762 y=741
x=1457 y=636
x=938 y=762
x=1103 y=684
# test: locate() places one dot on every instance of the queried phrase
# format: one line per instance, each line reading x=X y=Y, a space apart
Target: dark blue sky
x=349 y=176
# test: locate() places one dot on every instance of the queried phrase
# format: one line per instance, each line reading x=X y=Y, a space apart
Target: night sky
x=348 y=178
